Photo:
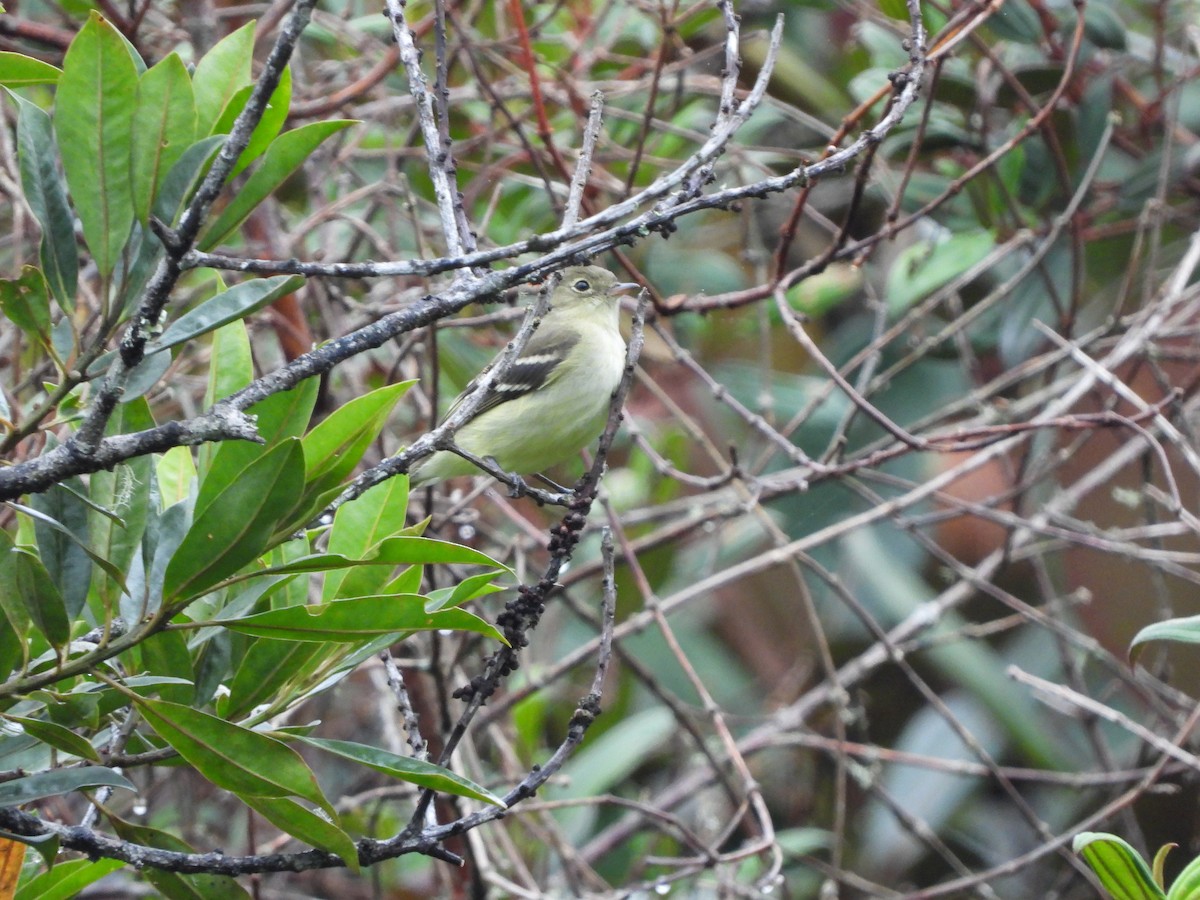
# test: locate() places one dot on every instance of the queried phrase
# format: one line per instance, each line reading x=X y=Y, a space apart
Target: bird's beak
x=622 y=286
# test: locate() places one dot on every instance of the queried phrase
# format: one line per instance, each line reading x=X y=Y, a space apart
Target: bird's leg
x=517 y=487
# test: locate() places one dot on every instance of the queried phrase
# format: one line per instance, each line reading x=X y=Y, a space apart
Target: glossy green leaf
x=47 y=197
x=163 y=534
x=405 y=768
x=43 y=602
x=59 y=781
x=67 y=879
x=1160 y=863
x=1187 y=885
x=14 y=618
x=404 y=550
x=93 y=118
x=228 y=306
x=285 y=155
x=231 y=365
x=166 y=655
x=25 y=302
x=313 y=829
x=164 y=127
x=232 y=109
x=57 y=736
x=19 y=70
x=271 y=123
x=1119 y=867
x=822 y=292
x=245 y=762
x=124 y=492
x=385 y=555
x=1183 y=631
x=921 y=269
x=268 y=668
x=334 y=447
x=1017 y=22
x=236 y=524
x=467 y=589
x=175 y=472
x=358 y=619
x=378 y=513
x=66 y=552
x=183 y=178
x=60 y=521
x=279 y=417
x=172 y=885
x=894 y=9
x=220 y=74
x=1102 y=26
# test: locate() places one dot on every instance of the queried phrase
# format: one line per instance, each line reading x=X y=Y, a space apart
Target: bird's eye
x=582 y=285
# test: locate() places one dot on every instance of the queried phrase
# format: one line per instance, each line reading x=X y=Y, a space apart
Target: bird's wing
x=535 y=367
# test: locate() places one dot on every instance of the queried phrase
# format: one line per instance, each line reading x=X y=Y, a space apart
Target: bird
x=555 y=396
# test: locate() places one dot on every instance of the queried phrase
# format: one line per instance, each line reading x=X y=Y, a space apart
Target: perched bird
x=554 y=398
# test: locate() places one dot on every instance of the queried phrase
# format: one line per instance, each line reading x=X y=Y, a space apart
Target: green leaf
x=166 y=655
x=14 y=618
x=171 y=884
x=824 y=291
x=228 y=306
x=894 y=9
x=43 y=602
x=223 y=71
x=271 y=123
x=1017 y=22
x=18 y=70
x=405 y=768
x=56 y=736
x=1184 y=631
x=924 y=267
x=1160 y=863
x=1119 y=867
x=466 y=590
x=60 y=522
x=334 y=447
x=124 y=492
x=66 y=879
x=183 y=178
x=1102 y=26
x=231 y=365
x=163 y=534
x=237 y=523
x=285 y=155
x=1187 y=885
x=93 y=118
x=175 y=472
x=403 y=550
x=269 y=668
x=279 y=417
x=310 y=827
x=378 y=513
x=66 y=552
x=164 y=126
x=59 y=781
x=247 y=763
x=47 y=198
x=25 y=302
x=358 y=619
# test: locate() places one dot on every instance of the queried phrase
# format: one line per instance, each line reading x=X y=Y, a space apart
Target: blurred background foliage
x=822 y=593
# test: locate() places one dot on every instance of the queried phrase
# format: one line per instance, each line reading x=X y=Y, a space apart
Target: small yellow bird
x=554 y=398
